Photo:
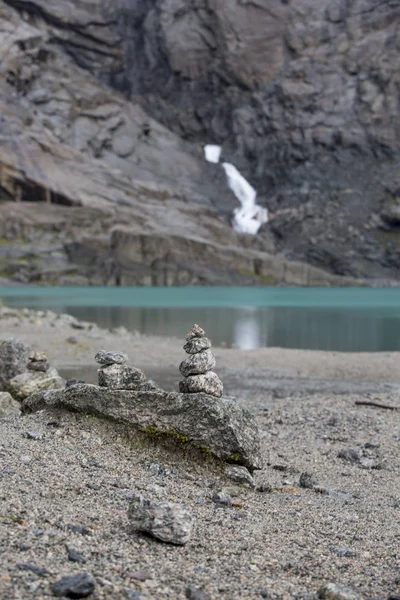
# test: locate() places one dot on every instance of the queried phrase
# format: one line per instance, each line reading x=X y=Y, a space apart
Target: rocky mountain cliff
x=105 y=106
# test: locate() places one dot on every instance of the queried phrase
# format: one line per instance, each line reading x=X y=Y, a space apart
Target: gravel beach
x=66 y=479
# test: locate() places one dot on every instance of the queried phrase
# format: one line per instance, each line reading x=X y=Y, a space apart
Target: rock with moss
x=221 y=425
x=14 y=356
x=8 y=406
x=166 y=521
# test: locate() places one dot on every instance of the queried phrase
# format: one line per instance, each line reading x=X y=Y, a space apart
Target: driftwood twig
x=377 y=404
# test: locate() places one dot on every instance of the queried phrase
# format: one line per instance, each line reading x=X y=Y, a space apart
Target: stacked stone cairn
x=197 y=368
x=115 y=374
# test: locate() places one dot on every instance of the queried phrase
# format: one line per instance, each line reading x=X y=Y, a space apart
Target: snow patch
x=213 y=153
x=250 y=217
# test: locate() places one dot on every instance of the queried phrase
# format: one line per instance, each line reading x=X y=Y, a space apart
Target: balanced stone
x=209 y=383
x=104 y=357
x=197 y=345
x=195 y=332
x=120 y=377
x=198 y=363
x=38 y=361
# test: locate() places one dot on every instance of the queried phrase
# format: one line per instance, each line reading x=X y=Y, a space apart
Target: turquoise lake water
x=343 y=319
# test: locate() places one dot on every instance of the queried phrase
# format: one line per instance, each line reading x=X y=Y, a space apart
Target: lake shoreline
x=281 y=539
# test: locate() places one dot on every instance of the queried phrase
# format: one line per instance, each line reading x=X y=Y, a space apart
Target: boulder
x=8 y=406
x=219 y=426
x=166 y=521
x=30 y=382
x=14 y=356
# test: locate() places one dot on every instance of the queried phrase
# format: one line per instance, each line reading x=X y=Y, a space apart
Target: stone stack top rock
x=38 y=361
x=197 y=368
x=104 y=357
x=195 y=332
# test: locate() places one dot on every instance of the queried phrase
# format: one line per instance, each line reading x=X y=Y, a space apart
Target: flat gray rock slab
x=218 y=425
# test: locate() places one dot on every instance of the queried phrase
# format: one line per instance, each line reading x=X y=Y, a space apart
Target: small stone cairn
x=38 y=361
x=115 y=374
x=197 y=368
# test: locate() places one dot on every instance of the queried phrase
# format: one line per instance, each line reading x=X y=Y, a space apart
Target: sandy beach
x=69 y=489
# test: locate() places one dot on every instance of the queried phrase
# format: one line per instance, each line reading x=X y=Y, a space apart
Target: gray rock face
x=121 y=377
x=104 y=357
x=308 y=114
x=8 y=406
x=166 y=521
x=220 y=425
x=196 y=345
x=209 y=383
x=30 y=382
x=196 y=364
x=13 y=359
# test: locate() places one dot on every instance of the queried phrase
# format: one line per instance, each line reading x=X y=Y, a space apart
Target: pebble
x=239 y=475
x=140 y=575
x=166 y=521
x=35 y=435
x=351 y=455
x=80 y=585
x=193 y=593
x=342 y=551
x=71 y=382
x=104 y=357
x=40 y=571
x=75 y=556
x=307 y=481
x=333 y=591
x=222 y=499
x=72 y=339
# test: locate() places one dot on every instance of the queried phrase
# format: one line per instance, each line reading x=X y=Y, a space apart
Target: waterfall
x=250 y=216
